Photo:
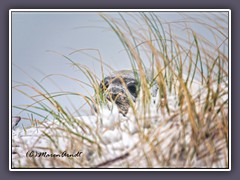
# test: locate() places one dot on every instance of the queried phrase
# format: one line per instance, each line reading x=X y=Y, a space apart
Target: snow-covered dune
x=156 y=138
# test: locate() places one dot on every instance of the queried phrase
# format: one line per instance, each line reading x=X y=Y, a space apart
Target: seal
x=120 y=87
x=123 y=86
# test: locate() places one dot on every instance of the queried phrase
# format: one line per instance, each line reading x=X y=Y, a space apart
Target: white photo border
x=118 y=10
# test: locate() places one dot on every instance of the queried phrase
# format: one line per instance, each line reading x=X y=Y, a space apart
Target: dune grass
x=195 y=70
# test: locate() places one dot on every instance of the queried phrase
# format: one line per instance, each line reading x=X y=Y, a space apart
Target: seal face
x=120 y=87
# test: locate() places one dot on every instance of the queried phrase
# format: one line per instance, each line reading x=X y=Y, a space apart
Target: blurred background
x=39 y=39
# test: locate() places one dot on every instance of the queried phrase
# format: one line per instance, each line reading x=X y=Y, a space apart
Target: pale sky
x=35 y=34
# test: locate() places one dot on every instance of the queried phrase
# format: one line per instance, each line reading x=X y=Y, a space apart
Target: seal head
x=120 y=87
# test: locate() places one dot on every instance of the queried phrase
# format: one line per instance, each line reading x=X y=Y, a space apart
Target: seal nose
x=113 y=93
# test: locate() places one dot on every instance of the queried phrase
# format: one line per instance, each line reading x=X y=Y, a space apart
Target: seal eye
x=104 y=84
x=132 y=89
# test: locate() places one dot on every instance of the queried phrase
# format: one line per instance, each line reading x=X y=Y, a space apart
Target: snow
x=115 y=135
